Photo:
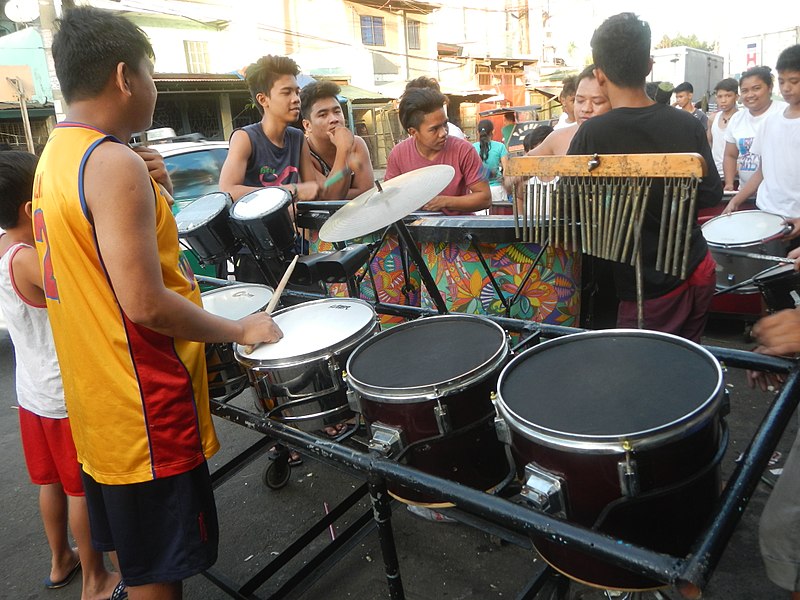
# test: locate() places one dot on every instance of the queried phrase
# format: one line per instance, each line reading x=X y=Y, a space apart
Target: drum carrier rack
x=510 y=520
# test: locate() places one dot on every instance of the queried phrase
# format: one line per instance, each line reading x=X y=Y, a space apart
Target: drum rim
x=638 y=440
x=224 y=209
x=368 y=329
x=764 y=276
x=273 y=190
x=425 y=393
x=734 y=215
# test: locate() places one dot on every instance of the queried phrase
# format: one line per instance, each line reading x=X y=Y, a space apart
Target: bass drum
x=225 y=376
x=424 y=388
x=298 y=380
x=628 y=443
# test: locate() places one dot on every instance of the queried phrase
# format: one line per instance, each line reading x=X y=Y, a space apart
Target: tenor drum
x=263 y=221
x=424 y=388
x=225 y=375
x=780 y=287
x=298 y=380
x=203 y=226
x=627 y=443
x=749 y=231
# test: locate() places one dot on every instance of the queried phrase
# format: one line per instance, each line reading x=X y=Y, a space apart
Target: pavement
x=437 y=560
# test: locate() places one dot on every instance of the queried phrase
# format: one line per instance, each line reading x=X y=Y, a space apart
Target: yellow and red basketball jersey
x=137 y=399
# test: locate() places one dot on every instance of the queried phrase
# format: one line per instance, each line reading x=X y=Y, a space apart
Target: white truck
x=682 y=63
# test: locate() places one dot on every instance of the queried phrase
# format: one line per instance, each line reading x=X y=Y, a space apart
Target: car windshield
x=195 y=173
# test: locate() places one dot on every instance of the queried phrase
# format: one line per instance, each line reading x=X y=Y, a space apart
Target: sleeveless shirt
x=137 y=399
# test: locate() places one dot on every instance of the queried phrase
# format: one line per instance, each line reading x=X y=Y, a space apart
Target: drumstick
x=248 y=348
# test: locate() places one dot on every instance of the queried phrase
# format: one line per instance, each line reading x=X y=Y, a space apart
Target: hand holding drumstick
x=248 y=348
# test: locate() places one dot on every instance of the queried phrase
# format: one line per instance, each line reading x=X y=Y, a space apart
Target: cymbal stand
x=424 y=271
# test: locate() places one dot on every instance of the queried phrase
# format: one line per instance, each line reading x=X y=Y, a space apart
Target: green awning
x=33 y=113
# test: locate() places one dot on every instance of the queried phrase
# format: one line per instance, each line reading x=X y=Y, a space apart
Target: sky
x=723 y=22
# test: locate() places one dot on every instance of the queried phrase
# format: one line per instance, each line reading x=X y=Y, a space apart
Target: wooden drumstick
x=248 y=348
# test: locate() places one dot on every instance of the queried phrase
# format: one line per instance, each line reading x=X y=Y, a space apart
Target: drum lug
x=386 y=440
x=442 y=418
x=544 y=491
x=353 y=397
x=628 y=476
x=501 y=427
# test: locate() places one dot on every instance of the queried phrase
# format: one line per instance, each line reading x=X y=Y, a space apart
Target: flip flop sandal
x=55 y=585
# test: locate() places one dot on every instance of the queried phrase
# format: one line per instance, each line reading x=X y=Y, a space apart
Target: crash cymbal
x=378 y=208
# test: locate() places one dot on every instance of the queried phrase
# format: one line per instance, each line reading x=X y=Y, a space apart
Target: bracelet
x=294 y=191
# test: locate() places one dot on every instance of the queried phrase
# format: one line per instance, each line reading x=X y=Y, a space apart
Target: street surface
x=437 y=560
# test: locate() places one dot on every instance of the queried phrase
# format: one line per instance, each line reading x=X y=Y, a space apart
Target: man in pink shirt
x=423 y=117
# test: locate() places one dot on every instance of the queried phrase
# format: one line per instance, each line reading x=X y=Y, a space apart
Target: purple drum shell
x=655 y=393
x=403 y=373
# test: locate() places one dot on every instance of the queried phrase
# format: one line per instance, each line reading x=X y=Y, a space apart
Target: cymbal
x=378 y=208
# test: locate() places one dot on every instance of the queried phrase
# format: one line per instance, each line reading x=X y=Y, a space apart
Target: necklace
x=726 y=119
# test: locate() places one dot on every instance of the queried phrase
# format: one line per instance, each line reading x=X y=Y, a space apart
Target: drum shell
x=780 y=287
x=730 y=269
x=678 y=479
x=470 y=453
x=270 y=234
x=308 y=390
x=212 y=241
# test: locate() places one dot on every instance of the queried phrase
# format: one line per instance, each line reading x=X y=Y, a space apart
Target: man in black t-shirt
x=638 y=125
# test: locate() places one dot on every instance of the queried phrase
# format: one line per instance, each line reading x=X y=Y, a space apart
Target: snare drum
x=263 y=221
x=225 y=375
x=780 y=287
x=298 y=380
x=627 y=441
x=203 y=225
x=744 y=231
x=424 y=387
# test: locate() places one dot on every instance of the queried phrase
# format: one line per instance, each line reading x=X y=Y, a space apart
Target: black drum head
x=426 y=352
x=609 y=384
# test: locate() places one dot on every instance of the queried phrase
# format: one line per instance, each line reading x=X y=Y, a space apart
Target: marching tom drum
x=298 y=380
x=747 y=230
x=628 y=442
x=203 y=225
x=225 y=375
x=424 y=387
x=263 y=221
x=780 y=287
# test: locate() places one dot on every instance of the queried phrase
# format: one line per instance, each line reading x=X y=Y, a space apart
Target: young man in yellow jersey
x=126 y=315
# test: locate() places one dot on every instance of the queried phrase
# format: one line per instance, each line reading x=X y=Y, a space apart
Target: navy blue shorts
x=163 y=530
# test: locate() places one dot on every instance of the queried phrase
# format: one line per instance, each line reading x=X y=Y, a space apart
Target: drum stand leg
x=424 y=272
x=547 y=584
x=382 y=513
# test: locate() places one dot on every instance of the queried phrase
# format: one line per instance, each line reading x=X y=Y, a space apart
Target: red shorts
x=682 y=311
x=50 y=452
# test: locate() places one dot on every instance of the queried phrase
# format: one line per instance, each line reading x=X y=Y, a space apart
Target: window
x=196 y=57
x=413 y=35
x=372 y=31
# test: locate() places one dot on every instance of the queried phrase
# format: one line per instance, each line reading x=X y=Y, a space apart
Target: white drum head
x=237 y=301
x=259 y=203
x=201 y=211
x=742 y=228
x=315 y=326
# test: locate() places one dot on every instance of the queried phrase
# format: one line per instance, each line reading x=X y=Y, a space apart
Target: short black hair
x=535 y=137
x=315 y=91
x=88 y=46
x=424 y=82
x=684 y=87
x=729 y=84
x=621 y=48
x=569 y=85
x=763 y=73
x=416 y=103
x=789 y=59
x=587 y=73
x=17 y=169
x=262 y=74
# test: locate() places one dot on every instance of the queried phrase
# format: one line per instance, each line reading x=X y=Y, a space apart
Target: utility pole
x=47 y=18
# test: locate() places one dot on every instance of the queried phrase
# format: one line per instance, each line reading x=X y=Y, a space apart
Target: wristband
x=294 y=191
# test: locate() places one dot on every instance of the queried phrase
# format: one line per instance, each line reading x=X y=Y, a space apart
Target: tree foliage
x=685 y=40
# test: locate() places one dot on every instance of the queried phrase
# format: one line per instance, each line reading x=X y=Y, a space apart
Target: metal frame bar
x=688 y=574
